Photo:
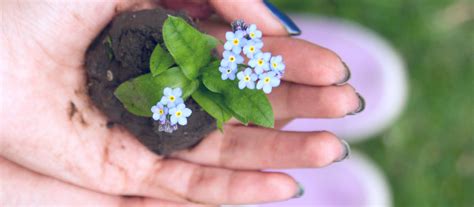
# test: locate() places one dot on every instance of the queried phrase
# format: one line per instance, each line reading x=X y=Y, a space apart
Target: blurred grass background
x=428 y=154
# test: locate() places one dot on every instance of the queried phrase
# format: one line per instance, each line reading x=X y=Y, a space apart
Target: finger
x=269 y=19
x=258 y=148
x=306 y=63
x=200 y=184
x=23 y=187
x=291 y=100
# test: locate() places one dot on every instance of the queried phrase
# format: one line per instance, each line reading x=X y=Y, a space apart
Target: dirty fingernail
x=289 y=25
x=300 y=191
x=346 y=152
x=361 y=105
x=347 y=75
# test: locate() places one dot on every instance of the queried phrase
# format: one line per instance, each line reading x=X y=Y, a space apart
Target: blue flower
x=172 y=97
x=268 y=81
x=231 y=59
x=260 y=62
x=253 y=33
x=159 y=112
x=235 y=41
x=227 y=73
x=252 y=47
x=277 y=65
x=180 y=114
x=247 y=79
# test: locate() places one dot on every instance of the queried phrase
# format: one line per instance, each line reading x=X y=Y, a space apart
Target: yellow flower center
x=252 y=35
x=231 y=58
x=172 y=98
x=252 y=48
x=178 y=113
x=260 y=62
x=247 y=78
x=236 y=41
x=162 y=112
x=266 y=80
x=275 y=65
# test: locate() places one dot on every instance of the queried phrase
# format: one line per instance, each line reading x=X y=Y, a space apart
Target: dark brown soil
x=122 y=52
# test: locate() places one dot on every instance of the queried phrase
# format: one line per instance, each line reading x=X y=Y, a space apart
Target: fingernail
x=289 y=25
x=346 y=152
x=361 y=105
x=300 y=191
x=347 y=76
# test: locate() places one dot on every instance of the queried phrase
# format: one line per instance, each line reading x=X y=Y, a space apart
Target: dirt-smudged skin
x=122 y=52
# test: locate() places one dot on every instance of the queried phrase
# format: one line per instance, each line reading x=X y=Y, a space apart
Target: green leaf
x=160 y=60
x=174 y=78
x=213 y=104
x=138 y=95
x=211 y=41
x=246 y=105
x=190 y=48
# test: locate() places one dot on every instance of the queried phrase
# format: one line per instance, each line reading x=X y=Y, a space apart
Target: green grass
x=428 y=154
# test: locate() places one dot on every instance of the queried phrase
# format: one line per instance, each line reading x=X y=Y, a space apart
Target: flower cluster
x=170 y=110
x=264 y=71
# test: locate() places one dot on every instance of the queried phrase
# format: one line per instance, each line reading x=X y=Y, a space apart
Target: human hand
x=42 y=73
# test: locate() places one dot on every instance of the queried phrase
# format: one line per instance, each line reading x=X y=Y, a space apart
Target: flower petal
x=278 y=58
x=173 y=119
x=177 y=92
x=236 y=49
x=164 y=100
x=239 y=59
x=167 y=91
x=252 y=27
x=187 y=112
x=229 y=35
x=267 y=89
x=251 y=85
x=275 y=82
x=253 y=77
x=156 y=116
x=240 y=75
x=182 y=121
x=178 y=101
x=228 y=46
x=162 y=118
x=267 y=56
x=173 y=110
x=253 y=62
x=242 y=84
x=260 y=84
x=248 y=71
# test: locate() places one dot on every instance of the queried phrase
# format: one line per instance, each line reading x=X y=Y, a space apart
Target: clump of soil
x=122 y=52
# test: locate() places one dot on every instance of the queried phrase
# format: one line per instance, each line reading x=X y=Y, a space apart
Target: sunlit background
x=428 y=153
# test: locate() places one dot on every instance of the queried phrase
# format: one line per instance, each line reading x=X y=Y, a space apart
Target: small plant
x=185 y=68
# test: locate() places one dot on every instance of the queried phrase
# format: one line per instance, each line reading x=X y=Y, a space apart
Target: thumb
x=261 y=12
